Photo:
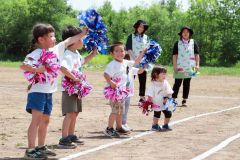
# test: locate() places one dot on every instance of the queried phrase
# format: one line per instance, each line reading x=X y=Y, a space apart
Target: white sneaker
x=126 y=127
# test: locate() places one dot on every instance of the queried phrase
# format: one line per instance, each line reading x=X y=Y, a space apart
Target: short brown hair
x=156 y=71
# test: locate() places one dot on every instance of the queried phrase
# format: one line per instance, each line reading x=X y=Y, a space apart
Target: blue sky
x=117 y=4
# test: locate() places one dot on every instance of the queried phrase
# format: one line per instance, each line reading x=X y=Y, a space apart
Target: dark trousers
x=186 y=87
x=142 y=78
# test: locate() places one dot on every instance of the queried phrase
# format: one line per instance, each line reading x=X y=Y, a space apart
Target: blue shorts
x=39 y=101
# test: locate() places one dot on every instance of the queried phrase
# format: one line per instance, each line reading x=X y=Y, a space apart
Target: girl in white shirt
x=158 y=93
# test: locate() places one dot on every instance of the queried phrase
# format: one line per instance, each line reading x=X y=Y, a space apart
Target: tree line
x=216 y=25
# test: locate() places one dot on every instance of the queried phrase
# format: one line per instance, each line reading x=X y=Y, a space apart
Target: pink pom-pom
x=146 y=107
x=81 y=89
x=51 y=63
x=117 y=94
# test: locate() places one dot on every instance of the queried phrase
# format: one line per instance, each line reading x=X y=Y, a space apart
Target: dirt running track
x=187 y=140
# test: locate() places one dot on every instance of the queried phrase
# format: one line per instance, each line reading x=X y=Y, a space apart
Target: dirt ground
x=187 y=140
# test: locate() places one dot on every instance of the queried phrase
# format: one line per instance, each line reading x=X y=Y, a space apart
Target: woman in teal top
x=136 y=42
x=185 y=62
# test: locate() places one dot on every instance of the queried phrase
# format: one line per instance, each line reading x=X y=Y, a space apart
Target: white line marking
x=215 y=97
x=216 y=148
x=105 y=146
x=72 y=156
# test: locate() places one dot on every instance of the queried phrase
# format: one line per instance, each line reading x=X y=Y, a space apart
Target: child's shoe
x=166 y=127
x=122 y=131
x=184 y=103
x=156 y=127
x=66 y=143
x=34 y=155
x=110 y=132
x=75 y=139
x=45 y=150
x=126 y=127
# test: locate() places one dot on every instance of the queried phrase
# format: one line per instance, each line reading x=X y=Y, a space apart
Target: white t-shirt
x=72 y=61
x=158 y=90
x=33 y=58
x=118 y=70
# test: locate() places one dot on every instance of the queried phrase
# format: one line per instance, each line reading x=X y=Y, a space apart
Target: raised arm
x=140 y=56
x=90 y=56
x=75 y=38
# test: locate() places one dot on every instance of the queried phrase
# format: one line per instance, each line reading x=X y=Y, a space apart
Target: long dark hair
x=39 y=30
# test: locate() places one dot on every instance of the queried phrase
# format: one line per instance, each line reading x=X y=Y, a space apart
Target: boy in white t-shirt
x=117 y=69
x=158 y=93
x=71 y=105
x=39 y=100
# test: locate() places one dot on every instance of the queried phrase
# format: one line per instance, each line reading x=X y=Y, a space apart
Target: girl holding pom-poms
x=74 y=86
x=41 y=67
x=117 y=77
x=159 y=92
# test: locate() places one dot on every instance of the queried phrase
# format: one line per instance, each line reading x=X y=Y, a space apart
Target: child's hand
x=175 y=69
x=113 y=85
x=40 y=70
x=165 y=100
x=197 y=68
x=76 y=79
x=95 y=51
x=84 y=31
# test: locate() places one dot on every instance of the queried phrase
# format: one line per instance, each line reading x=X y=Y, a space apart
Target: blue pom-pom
x=97 y=35
x=170 y=105
x=153 y=52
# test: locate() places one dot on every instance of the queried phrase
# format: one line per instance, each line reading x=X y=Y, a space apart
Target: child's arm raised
x=90 y=56
x=140 y=56
x=29 y=68
x=130 y=52
x=75 y=38
x=109 y=80
x=66 y=72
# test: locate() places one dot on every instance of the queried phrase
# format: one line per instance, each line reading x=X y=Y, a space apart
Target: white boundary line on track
x=75 y=155
x=215 y=97
x=216 y=148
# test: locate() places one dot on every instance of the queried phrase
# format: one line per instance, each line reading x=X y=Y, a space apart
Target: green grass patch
x=9 y=64
x=99 y=63
x=231 y=71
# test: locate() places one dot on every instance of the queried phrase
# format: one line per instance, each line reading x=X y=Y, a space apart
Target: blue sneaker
x=166 y=127
x=156 y=127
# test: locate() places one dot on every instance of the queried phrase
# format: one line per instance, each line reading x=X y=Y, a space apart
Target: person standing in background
x=135 y=44
x=185 y=62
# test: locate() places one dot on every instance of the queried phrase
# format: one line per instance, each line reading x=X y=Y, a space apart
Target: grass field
x=99 y=63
